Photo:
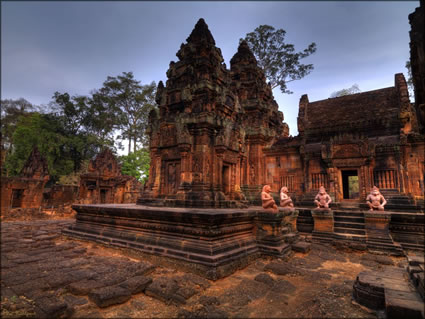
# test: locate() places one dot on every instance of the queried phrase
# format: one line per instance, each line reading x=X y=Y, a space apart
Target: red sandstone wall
x=32 y=195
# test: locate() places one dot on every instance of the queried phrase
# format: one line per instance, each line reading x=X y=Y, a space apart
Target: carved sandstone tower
x=262 y=120
x=196 y=140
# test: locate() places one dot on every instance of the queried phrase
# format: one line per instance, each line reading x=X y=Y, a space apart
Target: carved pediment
x=350 y=150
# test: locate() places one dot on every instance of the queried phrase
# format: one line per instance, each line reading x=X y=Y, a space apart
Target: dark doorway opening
x=103 y=195
x=226 y=179
x=350 y=184
x=17 y=195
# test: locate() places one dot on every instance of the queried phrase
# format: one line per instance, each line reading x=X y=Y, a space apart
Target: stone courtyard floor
x=44 y=274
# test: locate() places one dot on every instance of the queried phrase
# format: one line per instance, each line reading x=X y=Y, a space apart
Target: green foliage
x=79 y=127
x=280 y=62
x=89 y=115
x=43 y=131
x=63 y=151
x=131 y=103
x=11 y=111
x=351 y=90
x=136 y=164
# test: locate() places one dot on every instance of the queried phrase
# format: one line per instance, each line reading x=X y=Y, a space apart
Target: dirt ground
x=45 y=274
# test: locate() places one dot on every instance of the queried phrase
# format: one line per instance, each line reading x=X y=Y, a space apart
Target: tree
x=409 y=78
x=136 y=164
x=351 y=90
x=43 y=131
x=132 y=103
x=11 y=111
x=280 y=62
x=88 y=115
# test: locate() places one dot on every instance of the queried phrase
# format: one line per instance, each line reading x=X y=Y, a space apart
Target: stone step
x=348 y=214
x=394 y=250
x=413 y=246
x=415 y=260
x=350 y=237
x=305 y=228
x=380 y=240
x=349 y=230
x=349 y=225
x=353 y=219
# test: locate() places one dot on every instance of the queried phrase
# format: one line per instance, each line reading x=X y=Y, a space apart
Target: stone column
x=219 y=151
x=184 y=163
x=156 y=170
x=185 y=173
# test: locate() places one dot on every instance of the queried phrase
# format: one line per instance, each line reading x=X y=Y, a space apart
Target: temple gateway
x=219 y=137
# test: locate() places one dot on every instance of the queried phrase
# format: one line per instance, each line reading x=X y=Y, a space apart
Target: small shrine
x=25 y=190
x=104 y=183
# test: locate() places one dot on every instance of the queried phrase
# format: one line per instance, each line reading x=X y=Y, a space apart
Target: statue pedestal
x=269 y=236
x=323 y=220
x=377 y=221
x=323 y=224
x=378 y=236
x=290 y=216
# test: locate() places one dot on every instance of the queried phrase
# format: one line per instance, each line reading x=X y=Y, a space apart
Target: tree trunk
x=134 y=144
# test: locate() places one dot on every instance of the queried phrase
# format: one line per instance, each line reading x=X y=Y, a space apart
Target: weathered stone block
x=136 y=284
x=301 y=246
x=108 y=296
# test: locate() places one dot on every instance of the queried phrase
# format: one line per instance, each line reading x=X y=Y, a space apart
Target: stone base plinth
x=212 y=242
x=323 y=220
x=378 y=236
x=377 y=220
x=192 y=203
x=290 y=216
x=268 y=232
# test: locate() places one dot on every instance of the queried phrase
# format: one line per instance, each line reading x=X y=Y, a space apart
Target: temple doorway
x=226 y=179
x=350 y=184
x=104 y=195
x=17 y=195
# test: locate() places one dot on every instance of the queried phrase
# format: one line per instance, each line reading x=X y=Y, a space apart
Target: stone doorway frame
x=341 y=183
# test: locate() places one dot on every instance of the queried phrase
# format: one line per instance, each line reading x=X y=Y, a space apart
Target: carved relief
x=168 y=135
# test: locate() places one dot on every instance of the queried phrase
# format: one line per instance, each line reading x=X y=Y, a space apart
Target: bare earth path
x=44 y=274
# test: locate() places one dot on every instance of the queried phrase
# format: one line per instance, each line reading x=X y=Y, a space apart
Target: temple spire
x=244 y=54
x=201 y=33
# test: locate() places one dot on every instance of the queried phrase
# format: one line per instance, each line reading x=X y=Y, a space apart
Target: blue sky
x=73 y=46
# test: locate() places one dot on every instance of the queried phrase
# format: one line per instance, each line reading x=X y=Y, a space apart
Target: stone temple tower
x=197 y=139
x=262 y=121
x=207 y=140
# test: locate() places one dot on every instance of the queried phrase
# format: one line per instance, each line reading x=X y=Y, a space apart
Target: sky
x=73 y=46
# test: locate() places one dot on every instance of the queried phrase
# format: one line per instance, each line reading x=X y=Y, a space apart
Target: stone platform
x=383 y=232
x=211 y=242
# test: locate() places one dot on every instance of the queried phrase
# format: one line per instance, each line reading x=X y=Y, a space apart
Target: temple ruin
x=219 y=137
x=206 y=142
x=350 y=153
x=103 y=183
x=25 y=190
